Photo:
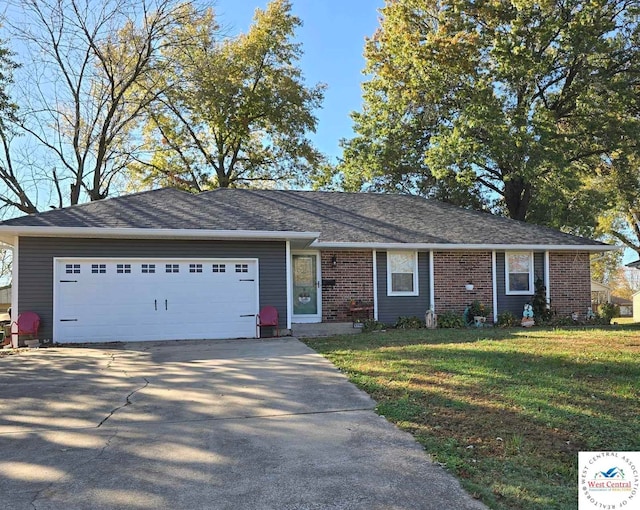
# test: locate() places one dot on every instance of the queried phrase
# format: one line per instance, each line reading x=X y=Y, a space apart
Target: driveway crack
x=126 y=403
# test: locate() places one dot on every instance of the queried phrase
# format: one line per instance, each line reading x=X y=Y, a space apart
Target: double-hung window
x=402 y=273
x=519 y=272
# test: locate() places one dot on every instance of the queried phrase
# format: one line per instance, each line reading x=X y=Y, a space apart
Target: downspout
x=288 y=278
x=14 y=288
x=432 y=283
x=546 y=278
x=375 y=284
x=494 y=282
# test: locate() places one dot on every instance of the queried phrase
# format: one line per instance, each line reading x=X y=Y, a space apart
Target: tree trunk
x=517 y=197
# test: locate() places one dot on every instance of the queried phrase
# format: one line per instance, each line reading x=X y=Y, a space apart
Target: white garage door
x=101 y=300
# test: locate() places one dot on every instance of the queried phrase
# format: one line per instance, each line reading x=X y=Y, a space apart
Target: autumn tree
x=80 y=94
x=519 y=98
x=234 y=111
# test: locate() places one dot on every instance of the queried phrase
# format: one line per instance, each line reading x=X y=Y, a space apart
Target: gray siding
x=515 y=304
x=392 y=307
x=35 y=269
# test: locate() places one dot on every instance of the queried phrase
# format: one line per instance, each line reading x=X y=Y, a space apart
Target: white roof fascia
x=167 y=233
x=458 y=247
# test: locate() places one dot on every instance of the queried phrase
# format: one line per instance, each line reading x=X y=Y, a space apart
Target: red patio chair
x=28 y=323
x=268 y=316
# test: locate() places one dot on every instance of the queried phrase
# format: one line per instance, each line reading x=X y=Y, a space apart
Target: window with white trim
x=402 y=273
x=98 y=268
x=148 y=268
x=123 y=268
x=172 y=268
x=195 y=268
x=219 y=268
x=518 y=268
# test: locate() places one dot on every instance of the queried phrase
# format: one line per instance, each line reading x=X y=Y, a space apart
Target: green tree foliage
x=620 y=176
x=233 y=111
x=520 y=98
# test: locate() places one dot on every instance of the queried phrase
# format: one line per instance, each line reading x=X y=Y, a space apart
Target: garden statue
x=590 y=314
x=527 y=316
x=468 y=319
x=431 y=319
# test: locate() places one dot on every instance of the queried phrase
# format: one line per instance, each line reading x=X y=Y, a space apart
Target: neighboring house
x=625 y=305
x=166 y=264
x=636 y=306
x=600 y=294
x=5 y=298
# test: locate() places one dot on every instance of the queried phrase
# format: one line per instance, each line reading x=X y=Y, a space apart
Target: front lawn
x=505 y=410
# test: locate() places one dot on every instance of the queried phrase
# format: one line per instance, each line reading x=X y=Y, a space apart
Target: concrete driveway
x=243 y=424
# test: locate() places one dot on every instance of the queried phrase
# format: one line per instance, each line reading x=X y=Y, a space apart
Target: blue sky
x=332 y=39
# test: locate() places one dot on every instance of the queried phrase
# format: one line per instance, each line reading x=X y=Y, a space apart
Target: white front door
x=307 y=291
x=101 y=300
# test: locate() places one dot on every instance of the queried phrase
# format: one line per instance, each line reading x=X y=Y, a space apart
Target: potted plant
x=479 y=312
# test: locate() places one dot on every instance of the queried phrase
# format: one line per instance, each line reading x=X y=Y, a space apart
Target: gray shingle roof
x=339 y=217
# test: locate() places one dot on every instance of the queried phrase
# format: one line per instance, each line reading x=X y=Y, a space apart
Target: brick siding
x=353 y=275
x=452 y=270
x=570 y=283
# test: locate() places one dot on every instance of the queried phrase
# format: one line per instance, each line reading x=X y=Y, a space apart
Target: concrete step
x=323 y=329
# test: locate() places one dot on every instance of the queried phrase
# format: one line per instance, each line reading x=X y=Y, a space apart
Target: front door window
x=305 y=285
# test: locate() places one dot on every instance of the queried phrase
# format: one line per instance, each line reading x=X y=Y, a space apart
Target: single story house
x=5 y=298
x=625 y=305
x=166 y=264
x=600 y=294
x=636 y=306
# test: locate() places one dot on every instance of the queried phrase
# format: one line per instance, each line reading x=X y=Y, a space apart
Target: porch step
x=323 y=329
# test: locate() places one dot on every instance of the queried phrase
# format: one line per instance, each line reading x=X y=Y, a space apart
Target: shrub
x=409 y=323
x=478 y=309
x=541 y=311
x=373 y=325
x=608 y=311
x=450 y=320
x=507 y=319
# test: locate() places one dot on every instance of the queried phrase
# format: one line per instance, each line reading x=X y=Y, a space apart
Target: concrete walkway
x=243 y=424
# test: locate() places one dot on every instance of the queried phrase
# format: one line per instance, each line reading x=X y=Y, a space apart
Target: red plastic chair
x=268 y=316
x=28 y=323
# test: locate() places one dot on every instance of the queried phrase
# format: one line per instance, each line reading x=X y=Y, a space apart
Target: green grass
x=623 y=320
x=505 y=410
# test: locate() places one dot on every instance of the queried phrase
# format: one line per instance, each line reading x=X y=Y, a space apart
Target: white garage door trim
x=168 y=319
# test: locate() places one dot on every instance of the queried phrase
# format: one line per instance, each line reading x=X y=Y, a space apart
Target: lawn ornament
x=431 y=319
x=527 y=316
